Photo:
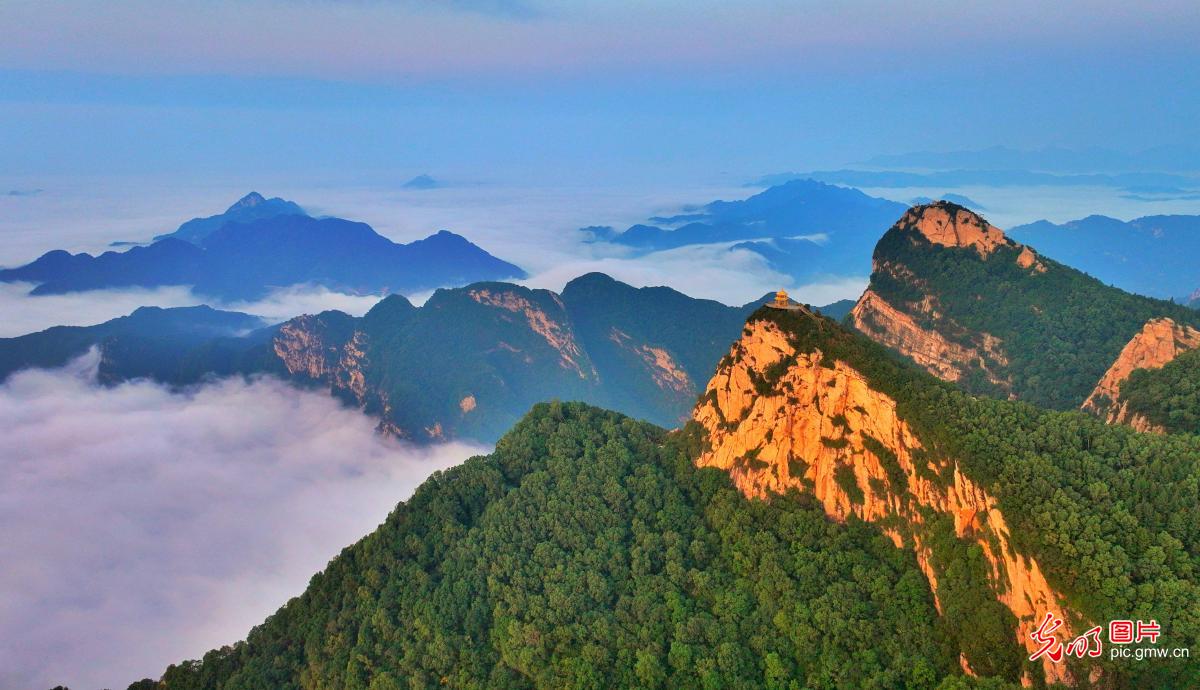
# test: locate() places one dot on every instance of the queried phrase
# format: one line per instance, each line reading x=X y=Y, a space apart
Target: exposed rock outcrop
x=1158 y=343
x=950 y=225
x=666 y=373
x=556 y=333
x=948 y=360
x=778 y=418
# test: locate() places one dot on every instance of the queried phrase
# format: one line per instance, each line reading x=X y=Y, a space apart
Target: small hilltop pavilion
x=782 y=301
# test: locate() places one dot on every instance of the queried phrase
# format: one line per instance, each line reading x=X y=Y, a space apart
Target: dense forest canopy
x=587 y=551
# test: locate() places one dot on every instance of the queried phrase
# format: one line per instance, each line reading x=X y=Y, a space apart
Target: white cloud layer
x=142 y=527
x=24 y=313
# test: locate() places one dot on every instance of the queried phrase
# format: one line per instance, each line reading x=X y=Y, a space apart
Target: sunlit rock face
x=1158 y=343
x=778 y=419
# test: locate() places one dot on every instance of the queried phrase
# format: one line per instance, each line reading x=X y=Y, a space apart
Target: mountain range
x=243 y=255
x=804 y=228
x=896 y=500
x=1151 y=255
x=831 y=517
x=466 y=364
x=1134 y=182
x=1051 y=158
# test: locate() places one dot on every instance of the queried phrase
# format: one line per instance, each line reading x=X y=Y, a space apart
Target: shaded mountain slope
x=472 y=360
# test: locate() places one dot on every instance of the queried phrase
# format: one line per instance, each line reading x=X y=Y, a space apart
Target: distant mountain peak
x=249 y=201
x=422 y=182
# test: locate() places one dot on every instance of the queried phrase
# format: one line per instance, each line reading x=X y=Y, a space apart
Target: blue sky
x=490 y=89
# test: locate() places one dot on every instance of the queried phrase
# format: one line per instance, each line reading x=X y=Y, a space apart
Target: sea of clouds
x=142 y=527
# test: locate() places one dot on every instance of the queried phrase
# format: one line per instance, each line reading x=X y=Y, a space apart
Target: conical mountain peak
x=249 y=201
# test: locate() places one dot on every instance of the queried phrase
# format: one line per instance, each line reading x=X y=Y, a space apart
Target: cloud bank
x=142 y=527
x=26 y=314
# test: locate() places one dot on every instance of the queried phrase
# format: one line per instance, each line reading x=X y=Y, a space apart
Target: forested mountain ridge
x=1013 y=512
x=592 y=551
x=471 y=361
x=466 y=364
x=954 y=294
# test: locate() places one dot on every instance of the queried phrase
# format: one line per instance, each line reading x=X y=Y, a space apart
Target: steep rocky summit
x=917 y=329
x=1158 y=343
x=951 y=292
x=779 y=417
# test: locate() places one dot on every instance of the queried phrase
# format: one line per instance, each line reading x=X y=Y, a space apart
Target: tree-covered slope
x=1110 y=517
x=1168 y=397
x=588 y=552
x=953 y=293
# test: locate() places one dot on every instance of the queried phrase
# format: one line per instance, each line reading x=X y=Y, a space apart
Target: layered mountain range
x=260 y=244
x=896 y=500
x=468 y=363
x=833 y=517
x=1151 y=255
x=803 y=228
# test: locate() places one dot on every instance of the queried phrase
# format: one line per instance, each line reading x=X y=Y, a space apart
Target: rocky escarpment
x=946 y=359
x=778 y=418
x=328 y=349
x=1158 y=343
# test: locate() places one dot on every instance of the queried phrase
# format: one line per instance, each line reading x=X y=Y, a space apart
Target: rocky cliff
x=1158 y=343
x=946 y=359
x=780 y=418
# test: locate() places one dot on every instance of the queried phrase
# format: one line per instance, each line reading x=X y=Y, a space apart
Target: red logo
x=1089 y=643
